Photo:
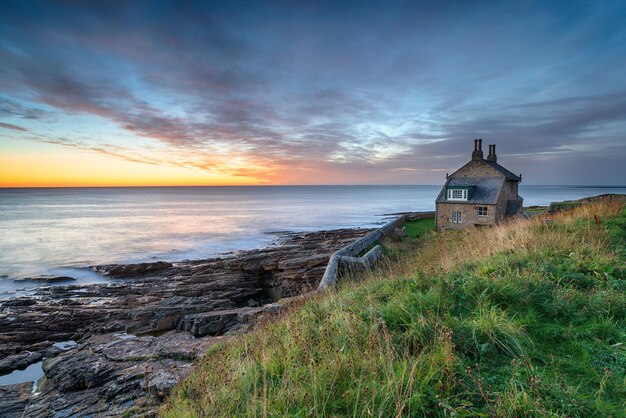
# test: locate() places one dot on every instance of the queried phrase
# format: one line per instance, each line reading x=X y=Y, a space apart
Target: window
x=456 y=216
x=457 y=194
x=482 y=211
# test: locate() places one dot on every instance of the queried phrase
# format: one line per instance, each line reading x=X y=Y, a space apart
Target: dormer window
x=457 y=194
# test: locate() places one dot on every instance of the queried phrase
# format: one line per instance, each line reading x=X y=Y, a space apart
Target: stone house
x=482 y=192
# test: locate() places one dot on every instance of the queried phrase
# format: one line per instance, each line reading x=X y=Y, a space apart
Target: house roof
x=509 y=175
x=485 y=190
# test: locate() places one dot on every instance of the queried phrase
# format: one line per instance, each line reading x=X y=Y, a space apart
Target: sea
x=64 y=231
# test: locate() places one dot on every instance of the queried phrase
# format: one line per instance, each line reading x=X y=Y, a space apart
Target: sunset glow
x=260 y=93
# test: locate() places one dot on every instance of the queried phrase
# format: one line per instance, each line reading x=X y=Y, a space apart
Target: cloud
x=395 y=92
x=13 y=127
x=11 y=108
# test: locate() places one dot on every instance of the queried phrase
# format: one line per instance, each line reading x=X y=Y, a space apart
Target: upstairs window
x=457 y=194
x=482 y=211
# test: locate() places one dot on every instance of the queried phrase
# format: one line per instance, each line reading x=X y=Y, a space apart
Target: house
x=482 y=192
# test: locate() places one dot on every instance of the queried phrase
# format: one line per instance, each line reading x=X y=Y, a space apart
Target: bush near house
x=523 y=319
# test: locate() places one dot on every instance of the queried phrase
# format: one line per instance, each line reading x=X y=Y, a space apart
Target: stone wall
x=509 y=193
x=477 y=168
x=348 y=257
x=496 y=213
x=469 y=215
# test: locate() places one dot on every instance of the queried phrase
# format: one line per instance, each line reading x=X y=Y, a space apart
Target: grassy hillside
x=526 y=319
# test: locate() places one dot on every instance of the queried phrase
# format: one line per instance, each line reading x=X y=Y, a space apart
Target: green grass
x=557 y=206
x=526 y=319
x=419 y=227
x=536 y=209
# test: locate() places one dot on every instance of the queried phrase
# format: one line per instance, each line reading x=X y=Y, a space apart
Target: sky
x=309 y=92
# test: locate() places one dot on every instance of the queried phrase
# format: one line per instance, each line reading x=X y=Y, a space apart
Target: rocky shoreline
x=119 y=347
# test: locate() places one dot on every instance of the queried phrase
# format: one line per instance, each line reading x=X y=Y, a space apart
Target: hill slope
x=526 y=319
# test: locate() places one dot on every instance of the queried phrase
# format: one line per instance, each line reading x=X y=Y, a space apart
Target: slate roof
x=485 y=190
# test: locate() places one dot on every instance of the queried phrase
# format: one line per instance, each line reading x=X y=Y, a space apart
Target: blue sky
x=318 y=92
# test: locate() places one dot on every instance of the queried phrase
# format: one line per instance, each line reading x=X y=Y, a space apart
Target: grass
x=419 y=227
x=535 y=209
x=558 y=206
x=524 y=319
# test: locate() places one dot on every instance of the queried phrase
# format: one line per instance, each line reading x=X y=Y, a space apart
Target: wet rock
x=217 y=322
x=22 y=301
x=19 y=361
x=51 y=279
x=76 y=371
x=138 y=337
x=112 y=373
x=14 y=398
x=132 y=270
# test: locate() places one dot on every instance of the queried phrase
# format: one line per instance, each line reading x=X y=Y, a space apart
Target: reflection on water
x=60 y=231
x=30 y=374
x=65 y=345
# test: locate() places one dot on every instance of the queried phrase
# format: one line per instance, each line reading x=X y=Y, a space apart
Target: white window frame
x=457 y=194
x=482 y=211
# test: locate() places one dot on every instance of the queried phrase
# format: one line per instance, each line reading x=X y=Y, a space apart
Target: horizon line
x=616 y=186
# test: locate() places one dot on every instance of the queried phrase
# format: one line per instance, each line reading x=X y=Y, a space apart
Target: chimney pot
x=492 y=153
x=478 y=152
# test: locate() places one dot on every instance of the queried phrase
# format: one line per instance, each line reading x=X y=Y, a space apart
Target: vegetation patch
x=419 y=227
x=523 y=319
x=558 y=206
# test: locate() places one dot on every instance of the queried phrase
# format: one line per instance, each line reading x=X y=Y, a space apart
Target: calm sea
x=62 y=231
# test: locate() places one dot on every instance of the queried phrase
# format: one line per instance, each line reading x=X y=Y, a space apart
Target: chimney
x=492 y=153
x=478 y=149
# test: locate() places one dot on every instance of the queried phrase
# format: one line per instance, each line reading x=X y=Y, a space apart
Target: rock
x=51 y=279
x=19 y=361
x=21 y=301
x=111 y=373
x=132 y=270
x=14 y=398
x=217 y=322
x=76 y=371
x=303 y=262
x=138 y=337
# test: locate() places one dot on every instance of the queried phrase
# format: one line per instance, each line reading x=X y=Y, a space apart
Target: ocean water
x=63 y=231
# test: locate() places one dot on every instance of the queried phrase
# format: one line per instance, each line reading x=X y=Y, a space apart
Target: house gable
x=481 y=192
x=483 y=168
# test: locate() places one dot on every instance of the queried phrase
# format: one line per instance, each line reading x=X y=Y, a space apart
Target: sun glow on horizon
x=52 y=167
